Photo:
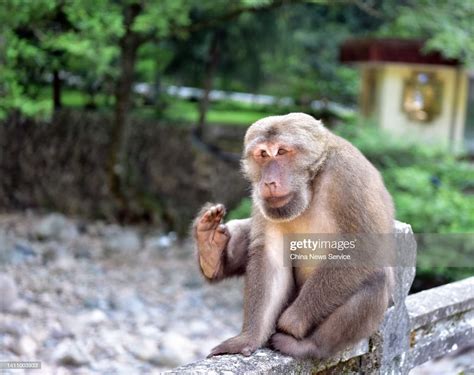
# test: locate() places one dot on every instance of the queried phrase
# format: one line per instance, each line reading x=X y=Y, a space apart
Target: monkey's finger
x=216 y=351
x=217 y=212
x=206 y=223
x=246 y=351
x=220 y=350
x=209 y=216
x=220 y=209
x=222 y=228
x=213 y=210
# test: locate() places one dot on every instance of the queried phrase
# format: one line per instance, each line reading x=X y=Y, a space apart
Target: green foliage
x=447 y=25
x=76 y=38
x=289 y=50
x=242 y=211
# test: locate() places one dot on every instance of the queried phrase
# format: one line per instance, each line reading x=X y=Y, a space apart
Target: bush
x=242 y=211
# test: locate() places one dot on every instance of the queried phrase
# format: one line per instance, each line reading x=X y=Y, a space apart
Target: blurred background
x=119 y=119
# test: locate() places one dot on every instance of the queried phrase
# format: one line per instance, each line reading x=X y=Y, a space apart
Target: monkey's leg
x=323 y=292
x=222 y=248
x=355 y=320
x=268 y=287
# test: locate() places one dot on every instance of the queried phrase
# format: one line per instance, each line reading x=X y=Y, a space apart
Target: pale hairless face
x=280 y=153
x=274 y=160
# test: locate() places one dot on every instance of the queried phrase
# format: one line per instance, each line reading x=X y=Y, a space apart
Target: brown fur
x=319 y=183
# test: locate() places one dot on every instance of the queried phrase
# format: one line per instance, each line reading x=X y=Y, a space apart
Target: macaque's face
x=280 y=183
x=281 y=154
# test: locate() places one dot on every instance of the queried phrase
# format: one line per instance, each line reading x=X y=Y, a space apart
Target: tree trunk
x=210 y=71
x=129 y=44
x=57 y=83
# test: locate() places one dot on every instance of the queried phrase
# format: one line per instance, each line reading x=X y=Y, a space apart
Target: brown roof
x=390 y=50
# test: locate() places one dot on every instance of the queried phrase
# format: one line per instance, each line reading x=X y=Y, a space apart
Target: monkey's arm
x=222 y=249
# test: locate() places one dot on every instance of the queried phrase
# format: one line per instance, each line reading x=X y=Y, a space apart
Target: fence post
x=388 y=347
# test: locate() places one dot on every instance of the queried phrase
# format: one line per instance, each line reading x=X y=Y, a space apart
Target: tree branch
x=211 y=22
x=367 y=8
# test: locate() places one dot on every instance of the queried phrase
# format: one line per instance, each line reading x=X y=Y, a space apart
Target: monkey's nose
x=271 y=187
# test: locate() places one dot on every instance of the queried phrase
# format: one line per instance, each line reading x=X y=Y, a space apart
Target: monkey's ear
x=245 y=169
x=316 y=167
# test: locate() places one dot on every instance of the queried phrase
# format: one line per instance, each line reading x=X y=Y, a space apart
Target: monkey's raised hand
x=211 y=237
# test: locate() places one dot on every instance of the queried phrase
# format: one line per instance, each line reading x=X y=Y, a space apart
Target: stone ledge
x=266 y=361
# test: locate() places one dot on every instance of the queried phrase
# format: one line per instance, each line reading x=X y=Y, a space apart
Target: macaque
x=304 y=179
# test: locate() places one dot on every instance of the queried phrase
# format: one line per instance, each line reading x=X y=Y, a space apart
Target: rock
x=81 y=249
x=95 y=316
x=175 y=350
x=5 y=248
x=25 y=346
x=15 y=251
x=52 y=252
x=198 y=327
x=95 y=302
x=12 y=327
x=121 y=241
x=70 y=354
x=65 y=263
x=8 y=292
x=40 y=334
x=70 y=325
x=20 y=307
x=114 y=342
x=22 y=251
x=161 y=241
x=128 y=301
x=55 y=226
x=143 y=348
x=149 y=330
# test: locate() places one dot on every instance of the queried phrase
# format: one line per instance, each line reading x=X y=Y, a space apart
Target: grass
x=182 y=110
x=72 y=98
x=176 y=111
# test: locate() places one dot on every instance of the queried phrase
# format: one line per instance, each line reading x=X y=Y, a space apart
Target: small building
x=415 y=95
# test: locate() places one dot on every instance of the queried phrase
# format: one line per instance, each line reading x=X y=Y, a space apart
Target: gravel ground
x=95 y=298
x=86 y=297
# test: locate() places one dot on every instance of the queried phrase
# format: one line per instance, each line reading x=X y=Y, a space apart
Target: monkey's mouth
x=277 y=202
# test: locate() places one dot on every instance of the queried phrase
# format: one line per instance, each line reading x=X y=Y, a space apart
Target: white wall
x=390 y=116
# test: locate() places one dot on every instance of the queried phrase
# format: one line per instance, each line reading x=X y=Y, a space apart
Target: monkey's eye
x=263 y=154
x=281 y=151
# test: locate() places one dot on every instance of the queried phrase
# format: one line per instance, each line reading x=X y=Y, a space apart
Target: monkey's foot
x=291 y=323
x=240 y=344
x=283 y=343
x=288 y=345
